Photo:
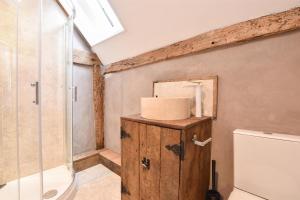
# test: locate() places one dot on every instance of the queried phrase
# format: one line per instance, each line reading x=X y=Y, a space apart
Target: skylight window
x=95 y=19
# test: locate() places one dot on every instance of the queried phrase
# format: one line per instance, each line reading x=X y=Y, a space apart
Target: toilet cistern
x=266 y=166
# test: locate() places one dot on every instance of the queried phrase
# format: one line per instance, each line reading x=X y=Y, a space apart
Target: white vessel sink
x=165 y=108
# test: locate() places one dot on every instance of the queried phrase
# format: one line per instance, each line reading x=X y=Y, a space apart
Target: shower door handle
x=36 y=85
x=75 y=93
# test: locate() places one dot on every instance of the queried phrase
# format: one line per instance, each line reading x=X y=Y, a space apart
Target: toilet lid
x=237 y=194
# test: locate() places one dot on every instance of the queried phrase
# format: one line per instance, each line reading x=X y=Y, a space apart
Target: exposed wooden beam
x=85 y=58
x=240 y=32
x=98 y=95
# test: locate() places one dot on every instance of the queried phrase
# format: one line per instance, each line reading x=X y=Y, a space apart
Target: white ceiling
x=151 y=24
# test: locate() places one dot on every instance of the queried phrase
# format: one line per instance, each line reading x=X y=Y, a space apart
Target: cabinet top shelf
x=174 y=124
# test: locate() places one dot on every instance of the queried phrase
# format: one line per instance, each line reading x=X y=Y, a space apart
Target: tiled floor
x=98 y=183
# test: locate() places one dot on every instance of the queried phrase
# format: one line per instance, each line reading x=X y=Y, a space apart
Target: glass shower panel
x=8 y=105
x=35 y=100
x=28 y=100
x=69 y=92
x=57 y=172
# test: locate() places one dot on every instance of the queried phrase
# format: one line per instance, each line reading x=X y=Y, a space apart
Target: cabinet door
x=195 y=167
x=130 y=160
x=160 y=178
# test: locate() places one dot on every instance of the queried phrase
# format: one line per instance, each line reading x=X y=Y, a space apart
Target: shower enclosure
x=35 y=100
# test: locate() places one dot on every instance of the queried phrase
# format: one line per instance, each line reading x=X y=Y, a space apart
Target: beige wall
x=258 y=90
x=7 y=97
x=153 y=24
x=53 y=81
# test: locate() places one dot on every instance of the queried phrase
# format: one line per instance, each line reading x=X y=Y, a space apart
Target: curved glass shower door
x=56 y=100
x=28 y=99
x=35 y=100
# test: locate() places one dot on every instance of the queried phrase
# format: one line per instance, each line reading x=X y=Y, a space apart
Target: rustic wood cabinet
x=160 y=160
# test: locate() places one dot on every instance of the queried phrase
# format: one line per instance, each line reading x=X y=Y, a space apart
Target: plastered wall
x=258 y=90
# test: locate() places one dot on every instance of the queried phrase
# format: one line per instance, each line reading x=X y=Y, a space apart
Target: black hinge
x=124 y=134
x=124 y=189
x=177 y=149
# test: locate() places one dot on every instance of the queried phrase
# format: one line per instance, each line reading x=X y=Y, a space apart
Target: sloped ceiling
x=151 y=24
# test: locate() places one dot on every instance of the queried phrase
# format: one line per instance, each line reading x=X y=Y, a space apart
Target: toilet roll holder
x=200 y=143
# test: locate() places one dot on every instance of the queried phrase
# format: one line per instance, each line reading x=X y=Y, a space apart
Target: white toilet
x=266 y=166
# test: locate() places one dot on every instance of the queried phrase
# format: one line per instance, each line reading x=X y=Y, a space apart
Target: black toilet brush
x=213 y=194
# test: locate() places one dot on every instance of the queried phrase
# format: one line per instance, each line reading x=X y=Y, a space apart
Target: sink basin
x=165 y=108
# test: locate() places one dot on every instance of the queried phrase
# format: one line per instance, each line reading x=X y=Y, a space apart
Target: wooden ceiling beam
x=240 y=32
x=85 y=58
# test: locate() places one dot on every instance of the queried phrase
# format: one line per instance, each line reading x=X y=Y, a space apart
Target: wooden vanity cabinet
x=160 y=160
